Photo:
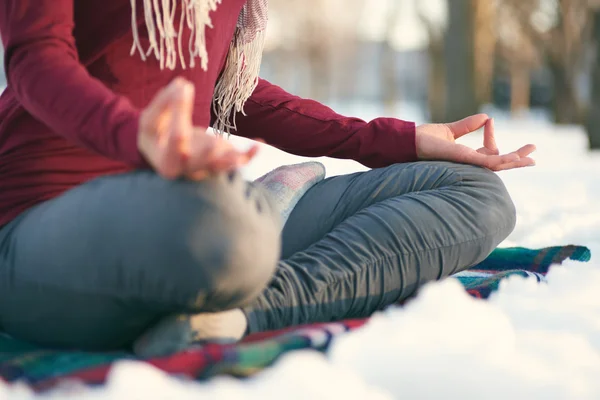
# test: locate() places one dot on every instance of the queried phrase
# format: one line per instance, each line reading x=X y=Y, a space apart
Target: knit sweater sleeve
x=44 y=72
x=308 y=128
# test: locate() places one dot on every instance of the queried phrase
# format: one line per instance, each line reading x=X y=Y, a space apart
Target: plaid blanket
x=42 y=369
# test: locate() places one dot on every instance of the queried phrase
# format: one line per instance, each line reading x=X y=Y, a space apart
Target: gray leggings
x=95 y=267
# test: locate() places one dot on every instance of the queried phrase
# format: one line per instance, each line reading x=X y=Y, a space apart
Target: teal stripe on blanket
x=535 y=260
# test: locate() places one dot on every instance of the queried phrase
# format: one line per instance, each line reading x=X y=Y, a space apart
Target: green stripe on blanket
x=43 y=369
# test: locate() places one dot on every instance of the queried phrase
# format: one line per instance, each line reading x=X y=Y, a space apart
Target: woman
x=118 y=211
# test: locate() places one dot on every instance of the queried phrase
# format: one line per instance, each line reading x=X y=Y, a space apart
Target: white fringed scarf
x=240 y=76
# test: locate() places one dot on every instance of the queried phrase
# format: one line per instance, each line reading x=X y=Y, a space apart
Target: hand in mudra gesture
x=438 y=142
x=174 y=147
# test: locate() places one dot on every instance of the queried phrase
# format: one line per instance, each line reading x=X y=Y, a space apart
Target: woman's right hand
x=174 y=147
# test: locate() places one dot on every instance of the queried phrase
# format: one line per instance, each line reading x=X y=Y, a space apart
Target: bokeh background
x=441 y=60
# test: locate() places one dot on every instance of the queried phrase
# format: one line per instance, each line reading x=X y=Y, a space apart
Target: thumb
x=467 y=125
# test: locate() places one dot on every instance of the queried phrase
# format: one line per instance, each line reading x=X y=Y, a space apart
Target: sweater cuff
x=404 y=139
x=393 y=142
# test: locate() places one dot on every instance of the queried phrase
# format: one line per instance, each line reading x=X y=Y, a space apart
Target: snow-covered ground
x=529 y=341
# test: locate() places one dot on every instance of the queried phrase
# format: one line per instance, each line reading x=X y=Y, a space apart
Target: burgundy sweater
x=70 y=111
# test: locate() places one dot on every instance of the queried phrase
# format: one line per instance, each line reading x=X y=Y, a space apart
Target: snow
x=528 y=341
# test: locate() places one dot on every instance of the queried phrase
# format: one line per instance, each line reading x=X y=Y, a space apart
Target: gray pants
x=95 y=267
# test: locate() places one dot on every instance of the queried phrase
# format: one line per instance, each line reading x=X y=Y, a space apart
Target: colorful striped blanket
x=42 y=369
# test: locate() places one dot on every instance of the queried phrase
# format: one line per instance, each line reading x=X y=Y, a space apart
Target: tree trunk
x=460 y=61
x=593 y=117
x=485 y=48
x=319 y=73
x=436 y=88
x=388 y=70
x=316 y=43
x=565 y=105
x=388 y=78
x=520 y=88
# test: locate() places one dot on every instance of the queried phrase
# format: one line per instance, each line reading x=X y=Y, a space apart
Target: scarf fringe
x=240 y=76
x=165 y=41
x=237 y=83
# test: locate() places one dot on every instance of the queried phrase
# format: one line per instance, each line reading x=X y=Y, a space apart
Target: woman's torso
x=37 y=164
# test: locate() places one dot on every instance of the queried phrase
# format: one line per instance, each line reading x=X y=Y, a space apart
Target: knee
x=492 y=204
x=232 y=249
x=253 y=251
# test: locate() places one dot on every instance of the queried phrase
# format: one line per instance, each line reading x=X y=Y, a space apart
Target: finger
x=521 y=163
x=486 y=151
x=489 y=138
x=526 y=150
x=251 y=153
x=218 y=150
x=226 y=162
x=244 y=158
x=233 y=159
x=467 y=125
x=522 y=152
x=202 y=148
x=198 y=175
x=493 y=161
x=214 y=155
x=466 y=155
x=176 y=148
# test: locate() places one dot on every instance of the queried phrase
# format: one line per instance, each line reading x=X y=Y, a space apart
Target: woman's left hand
x=211 y=154
x=175 y=148
x=437 y=142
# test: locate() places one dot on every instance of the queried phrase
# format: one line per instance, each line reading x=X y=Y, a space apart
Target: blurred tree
x=461 y=93
x=556 y=31
x=485 y=39
x=593 y=116
x=315 y=45
x=316 y=35
x=387 y=62
x=517 y=49
x=436 y=87
x=564 y=48
x=461 y=58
